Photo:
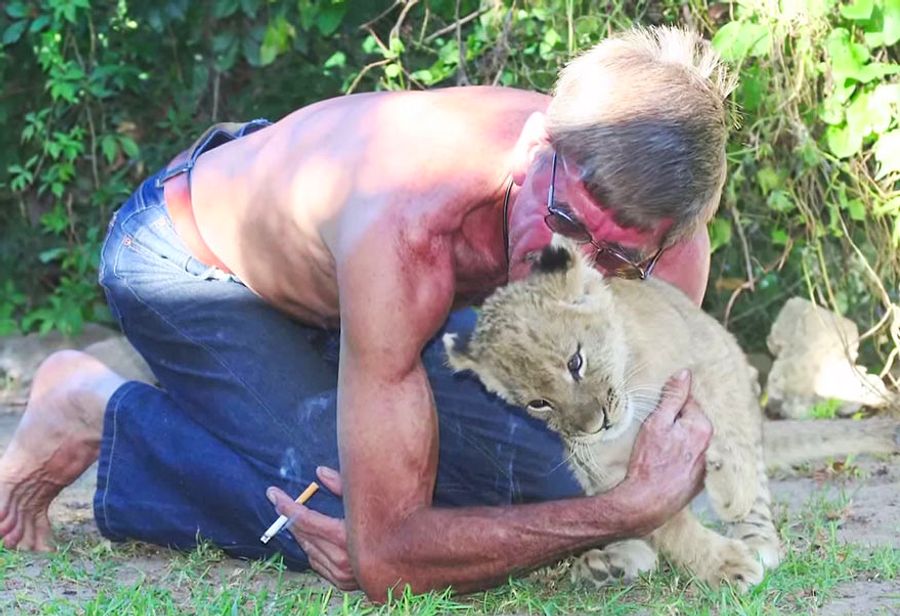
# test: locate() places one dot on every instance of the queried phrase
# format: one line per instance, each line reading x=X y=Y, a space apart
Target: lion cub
x=590 y=356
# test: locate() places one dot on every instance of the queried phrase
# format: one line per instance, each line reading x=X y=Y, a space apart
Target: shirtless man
x=379 y=213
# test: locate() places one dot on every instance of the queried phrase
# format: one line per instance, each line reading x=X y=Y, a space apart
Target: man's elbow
x=377 y=575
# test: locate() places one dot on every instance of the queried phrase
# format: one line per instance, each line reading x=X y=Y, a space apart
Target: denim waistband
x=213 y=137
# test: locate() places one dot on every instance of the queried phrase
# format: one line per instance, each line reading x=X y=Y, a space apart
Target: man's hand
x=667 y=462
x=324 y=539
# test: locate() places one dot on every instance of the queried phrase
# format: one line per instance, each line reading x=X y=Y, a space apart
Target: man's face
x=528 y=233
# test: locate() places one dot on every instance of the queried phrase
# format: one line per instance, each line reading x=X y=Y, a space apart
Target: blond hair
x=643 y=115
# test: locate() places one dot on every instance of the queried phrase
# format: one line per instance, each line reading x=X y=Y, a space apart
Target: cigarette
x=278 y=524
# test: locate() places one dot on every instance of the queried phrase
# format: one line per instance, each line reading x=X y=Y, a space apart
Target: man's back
x=282 y=206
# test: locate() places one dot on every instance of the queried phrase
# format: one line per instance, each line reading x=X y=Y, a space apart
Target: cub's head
x=552 y=343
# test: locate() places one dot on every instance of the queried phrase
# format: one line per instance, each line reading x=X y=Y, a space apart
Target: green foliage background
x=96 y=95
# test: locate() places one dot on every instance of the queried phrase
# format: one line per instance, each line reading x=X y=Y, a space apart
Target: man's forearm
x=478 y=547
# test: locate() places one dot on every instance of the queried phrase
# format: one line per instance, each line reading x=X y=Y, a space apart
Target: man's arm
x=395 y=293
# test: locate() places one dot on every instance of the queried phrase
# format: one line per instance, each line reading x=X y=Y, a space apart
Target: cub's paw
x=620 y=562
x=762 y=538
x=734 y=562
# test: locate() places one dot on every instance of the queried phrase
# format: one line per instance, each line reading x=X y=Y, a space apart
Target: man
x=380 y=213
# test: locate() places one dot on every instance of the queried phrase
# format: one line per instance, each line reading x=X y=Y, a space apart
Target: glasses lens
x=617 y=266
x=563 y=225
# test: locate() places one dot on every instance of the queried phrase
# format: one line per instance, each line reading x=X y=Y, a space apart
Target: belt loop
x=171 y=172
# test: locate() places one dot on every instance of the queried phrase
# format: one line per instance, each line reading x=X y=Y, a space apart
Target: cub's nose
x=593 y=419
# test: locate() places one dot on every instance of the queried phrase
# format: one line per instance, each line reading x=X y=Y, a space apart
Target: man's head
x=642 y=115
x=639 y=124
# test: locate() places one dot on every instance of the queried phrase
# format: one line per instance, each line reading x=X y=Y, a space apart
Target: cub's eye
x=540 y=405
x=576 y=362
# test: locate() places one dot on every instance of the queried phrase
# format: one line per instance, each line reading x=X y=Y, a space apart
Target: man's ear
x=532 y=139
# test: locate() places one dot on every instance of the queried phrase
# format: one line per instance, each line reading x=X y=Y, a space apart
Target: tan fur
x=633 y=336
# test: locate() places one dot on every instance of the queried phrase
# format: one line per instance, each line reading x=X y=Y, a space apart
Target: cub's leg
x=731 y=478
x=731 y=458
x=706 y=554
x=621 y=561
x=756 y=529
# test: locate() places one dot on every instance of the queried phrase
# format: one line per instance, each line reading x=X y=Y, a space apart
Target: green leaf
x=329 y=18
x=884 y=104
x=53 y=254
x=865 y=116
x=129 y=146
x=891 y=28
x=225 y=8
x=719 y=233
x=779 y=236
x=41 y=22
x=832 y=111
x=858 y=10
x=780 y=201
x=337 y=59
x=876 y=70
x=369 y=44
x=847 y=58
x=768 y=179
x=251 y=46
x=224 y=42
x=308 y=12
x=856 y=209
x=392 y=70
x=891 y=206
x=14 y=32
x=887 y=153
x=551 y=37
x=396 y=46
x=753 y=84
x=275 y=40
x=250 y=7
x=267 y=54
x=842 y=142
x=110 y=147
x=737 y=40
x=727 y=41
x=424 y=75
x=17 y=10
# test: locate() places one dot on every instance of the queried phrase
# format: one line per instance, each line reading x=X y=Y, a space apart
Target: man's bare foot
x=57 y=439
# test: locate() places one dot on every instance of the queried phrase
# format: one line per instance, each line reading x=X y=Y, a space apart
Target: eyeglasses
x=562 y=221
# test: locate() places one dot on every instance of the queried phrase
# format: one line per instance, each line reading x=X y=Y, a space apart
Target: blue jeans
x=247 y=400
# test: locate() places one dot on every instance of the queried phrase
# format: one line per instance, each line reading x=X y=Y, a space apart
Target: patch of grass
x=826 y=409
x=90 y=578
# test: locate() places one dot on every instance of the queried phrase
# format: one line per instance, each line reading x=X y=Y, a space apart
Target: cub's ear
x=564 y=256
x=460 y=358
x=559 y=256
x=458 y=352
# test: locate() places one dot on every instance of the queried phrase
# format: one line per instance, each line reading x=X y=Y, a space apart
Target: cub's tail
x=789 y=442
